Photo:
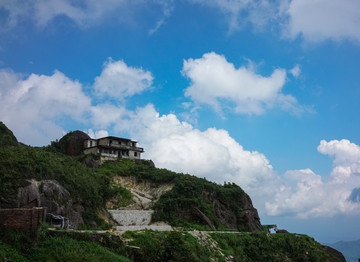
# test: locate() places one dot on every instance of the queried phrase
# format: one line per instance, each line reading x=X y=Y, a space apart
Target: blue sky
x=257 y=92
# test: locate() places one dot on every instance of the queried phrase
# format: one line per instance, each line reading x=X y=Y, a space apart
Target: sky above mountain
x=257 y=92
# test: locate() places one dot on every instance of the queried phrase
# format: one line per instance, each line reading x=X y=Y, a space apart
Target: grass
x=169 y=246
x=279 y=247
x=20 y=246
x=68 y=249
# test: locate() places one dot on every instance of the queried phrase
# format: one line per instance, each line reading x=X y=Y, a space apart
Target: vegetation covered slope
x=192 y=203
x=7 y=137
x=155 y=246
x=20 y=247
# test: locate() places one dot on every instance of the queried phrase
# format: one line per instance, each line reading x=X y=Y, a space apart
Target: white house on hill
x=112 y=148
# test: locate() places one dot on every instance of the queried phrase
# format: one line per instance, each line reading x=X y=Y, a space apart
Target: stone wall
x=27 y=219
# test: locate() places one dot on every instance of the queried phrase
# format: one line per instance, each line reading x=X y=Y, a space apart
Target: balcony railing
x=109 y=155
x=140 y=149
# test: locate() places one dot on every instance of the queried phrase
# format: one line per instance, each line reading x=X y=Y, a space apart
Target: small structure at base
x=26 y=219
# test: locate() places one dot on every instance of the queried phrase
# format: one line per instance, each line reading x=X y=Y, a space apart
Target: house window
x=135 y=153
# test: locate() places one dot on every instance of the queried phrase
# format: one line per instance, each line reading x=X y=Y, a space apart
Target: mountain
x=77 y=187
x=350 y=249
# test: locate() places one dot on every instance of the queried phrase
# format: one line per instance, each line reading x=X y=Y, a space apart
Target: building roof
x=113 y=137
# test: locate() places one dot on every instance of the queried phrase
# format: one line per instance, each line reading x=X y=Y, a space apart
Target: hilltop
x=79 y=188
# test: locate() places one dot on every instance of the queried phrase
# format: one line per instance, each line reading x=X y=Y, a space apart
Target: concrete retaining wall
x=152 y=227
x=132 y=217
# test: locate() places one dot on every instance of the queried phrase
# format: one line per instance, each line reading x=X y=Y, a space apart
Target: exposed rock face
x=248 y=217
x=144 y=192
x=49 y=194
x=335 y=255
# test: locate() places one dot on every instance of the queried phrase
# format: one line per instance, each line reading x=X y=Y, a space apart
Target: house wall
x=92 y=150
x=90 y=143
x=104 y=142
x=132 y=155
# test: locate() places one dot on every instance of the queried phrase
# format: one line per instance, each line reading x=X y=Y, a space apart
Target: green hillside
x=192 y=203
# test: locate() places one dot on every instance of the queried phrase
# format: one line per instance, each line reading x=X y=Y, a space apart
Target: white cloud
x=117 y=80
x=241 y=12
x=343 y=152
x=309 y=195
x=84 y=13
x=97 y=134
x=295 y=71
x=107 y=115
x=13 y=12
x=216 y=82
x=30 y=106
x=168 y=8
x=324 y=19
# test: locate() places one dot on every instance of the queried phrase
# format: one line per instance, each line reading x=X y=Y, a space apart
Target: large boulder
x=72 y=143
x=51 y=195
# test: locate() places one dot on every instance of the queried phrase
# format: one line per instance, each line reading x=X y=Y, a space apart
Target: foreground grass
x=19 y=246
x=262 y=247
x=67 y=249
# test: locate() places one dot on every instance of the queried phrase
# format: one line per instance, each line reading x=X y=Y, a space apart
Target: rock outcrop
x=74 y=142
x=49 y=194
x=247 y=218
x=144 y=193
x=335 y=255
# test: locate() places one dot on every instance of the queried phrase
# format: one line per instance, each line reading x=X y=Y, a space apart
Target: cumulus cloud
x=216 y=82
x=30 y=105
x=212 y=153
x=33 y=105
x=307 y=194
x=118 y=80
x=97 y=134
x=343 y=152
x=323 y=19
